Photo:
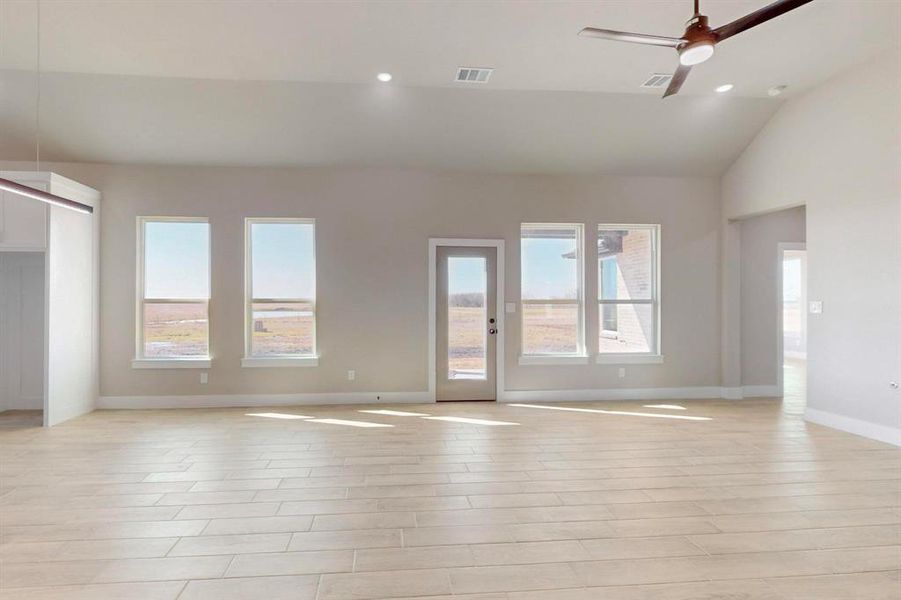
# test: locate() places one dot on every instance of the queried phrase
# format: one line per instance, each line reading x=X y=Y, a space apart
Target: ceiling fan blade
x=635 y=38
x=678 y=79
x=757 y=17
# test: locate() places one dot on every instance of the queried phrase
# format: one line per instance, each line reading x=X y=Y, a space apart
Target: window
x=467 y=314
x=628 y=304
x=552 y=315
x=173 y=288
x=280 y=291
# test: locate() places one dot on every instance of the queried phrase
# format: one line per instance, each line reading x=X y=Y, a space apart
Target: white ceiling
x=293 y=83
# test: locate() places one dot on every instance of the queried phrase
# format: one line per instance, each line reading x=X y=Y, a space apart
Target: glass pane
x=550 y=328
x=175 y=330
x=633 y=329
x=283 y=256
x=176 y=260
x=550 y=263
x=625 y=264
x=282 y=328
x=467 y=319
x=793 y=325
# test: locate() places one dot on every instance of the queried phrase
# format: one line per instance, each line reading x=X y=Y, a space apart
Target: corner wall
x=837 y=150
x=760 y=304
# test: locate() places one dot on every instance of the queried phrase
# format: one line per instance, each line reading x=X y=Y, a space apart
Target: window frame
x=275 y=360
x=655 y=355
x=141 y=361
x=580 y=356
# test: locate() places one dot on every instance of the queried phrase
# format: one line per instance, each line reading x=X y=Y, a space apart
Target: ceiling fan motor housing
x=699 y=42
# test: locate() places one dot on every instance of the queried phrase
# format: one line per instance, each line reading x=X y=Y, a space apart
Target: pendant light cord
x=37 y=116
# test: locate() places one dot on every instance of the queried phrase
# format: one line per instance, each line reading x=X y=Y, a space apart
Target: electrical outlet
x=815 y=307
x=351 y=375
x=204 y=378
x=622 y=372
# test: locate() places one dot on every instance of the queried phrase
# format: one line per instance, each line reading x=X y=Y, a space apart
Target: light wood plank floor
x=685 y=500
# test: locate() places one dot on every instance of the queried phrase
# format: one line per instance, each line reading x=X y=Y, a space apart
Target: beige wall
x=837 y=149
x=760 y=304
x=373 y=227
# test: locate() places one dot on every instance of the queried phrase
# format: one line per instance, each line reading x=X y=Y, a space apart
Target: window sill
x=629 y=359
x=280 y=361
x=553 y=360
x=171 y=363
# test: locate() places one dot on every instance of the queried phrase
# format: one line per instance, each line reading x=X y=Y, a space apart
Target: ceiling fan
x=697 y=43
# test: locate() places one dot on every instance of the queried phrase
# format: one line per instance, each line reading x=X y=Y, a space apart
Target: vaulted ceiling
x=293 y=83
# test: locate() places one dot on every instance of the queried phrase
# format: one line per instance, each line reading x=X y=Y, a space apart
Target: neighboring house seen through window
x=628 y=302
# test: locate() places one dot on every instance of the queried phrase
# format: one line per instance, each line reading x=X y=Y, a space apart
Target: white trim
x=248 y=289
x=676 y=393
x=874 y=431
x=628 y=359
x=581 y=340
x=499 y=309
x=139 y=282
x=760 y=391
x=656 y=300
x=751 y=391
x=552 y=359
x=171 y=363
x=732 y=393
x=781 y=248
x=544 y=396
x=279 y=361
x=257 y=400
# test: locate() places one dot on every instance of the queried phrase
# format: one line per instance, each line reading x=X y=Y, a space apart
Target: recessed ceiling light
x=384 y=77
x=776 y=90
x=724 y=88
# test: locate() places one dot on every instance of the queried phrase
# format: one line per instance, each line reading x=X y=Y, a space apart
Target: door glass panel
x=467 y=288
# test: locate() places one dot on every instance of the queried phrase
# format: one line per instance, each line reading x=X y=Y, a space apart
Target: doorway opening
x=22 y=326
x=793 y=327
x=466 y=319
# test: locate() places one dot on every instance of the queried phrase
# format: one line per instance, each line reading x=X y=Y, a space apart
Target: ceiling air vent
x=657 y=80
x=473 y=75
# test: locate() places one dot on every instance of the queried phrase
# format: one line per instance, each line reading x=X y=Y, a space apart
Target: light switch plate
x=815 y=307
x=510 y=308
x=204 y=378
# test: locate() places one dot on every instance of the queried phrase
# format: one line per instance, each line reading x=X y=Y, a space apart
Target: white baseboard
x=679 y=393
x=591 y=395
x=732 y=393
x=251 y=400
x=874 y=431
x=760 y=391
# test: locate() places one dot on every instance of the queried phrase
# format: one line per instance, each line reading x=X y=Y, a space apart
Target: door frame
x=434 y=243
x=782 y=247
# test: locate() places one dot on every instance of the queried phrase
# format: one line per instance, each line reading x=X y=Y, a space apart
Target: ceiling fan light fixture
x=695 y=53
x=384 y=77
x=722 y=89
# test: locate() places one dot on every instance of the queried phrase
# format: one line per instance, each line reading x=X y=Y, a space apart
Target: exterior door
x=466 y=325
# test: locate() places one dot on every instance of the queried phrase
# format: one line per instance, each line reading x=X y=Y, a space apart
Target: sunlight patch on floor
x=469 y=421
x=613 y=412
x=349 y=423
x=394 y=413
x=271 y=415
x=665 y=406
